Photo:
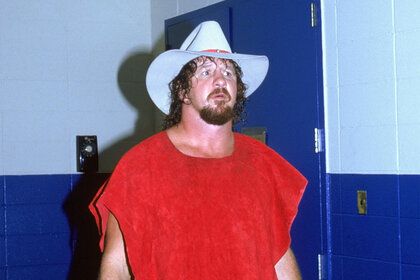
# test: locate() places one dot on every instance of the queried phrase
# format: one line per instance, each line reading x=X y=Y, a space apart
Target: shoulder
x=147 y=149
x=264 y=158
x=251 y=147
x=134 y=168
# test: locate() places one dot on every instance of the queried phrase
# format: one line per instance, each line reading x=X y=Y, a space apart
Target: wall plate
x=362 y=202
x=87 y=153
x=258 y=133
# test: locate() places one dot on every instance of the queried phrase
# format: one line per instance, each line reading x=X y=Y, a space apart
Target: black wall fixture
x=87 y=153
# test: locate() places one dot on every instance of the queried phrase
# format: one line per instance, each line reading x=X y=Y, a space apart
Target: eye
x=227 y=73
x=205 y=73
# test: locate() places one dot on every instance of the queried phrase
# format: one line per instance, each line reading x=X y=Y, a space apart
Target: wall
x=371 y=80
x=68 y=68
x=71 y=67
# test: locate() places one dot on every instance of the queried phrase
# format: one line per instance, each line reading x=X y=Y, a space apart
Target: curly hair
x=182 y=83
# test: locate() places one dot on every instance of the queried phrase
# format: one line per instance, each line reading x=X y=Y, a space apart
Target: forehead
x=206 y=61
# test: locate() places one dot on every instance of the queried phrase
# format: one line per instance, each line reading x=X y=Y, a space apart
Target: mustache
x=218 y=91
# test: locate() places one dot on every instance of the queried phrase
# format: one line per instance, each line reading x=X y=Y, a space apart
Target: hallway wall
x=68 y=68
x=371 y=81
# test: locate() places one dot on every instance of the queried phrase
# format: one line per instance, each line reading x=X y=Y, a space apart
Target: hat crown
x=206 y=36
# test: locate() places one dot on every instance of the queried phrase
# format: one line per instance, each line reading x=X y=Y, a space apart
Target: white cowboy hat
x=207 y=39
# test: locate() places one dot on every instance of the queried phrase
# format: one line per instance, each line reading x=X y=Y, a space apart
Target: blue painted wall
x=385 y=243
x=371 y=82
x=44 y=222
x=46 y=229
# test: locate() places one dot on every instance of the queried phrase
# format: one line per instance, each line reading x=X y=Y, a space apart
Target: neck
x=200 y=139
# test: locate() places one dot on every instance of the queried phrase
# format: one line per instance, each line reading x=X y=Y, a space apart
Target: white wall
x=372 y=81
x=71 y=68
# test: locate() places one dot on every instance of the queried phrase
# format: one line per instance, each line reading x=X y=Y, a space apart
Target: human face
x=213 y=90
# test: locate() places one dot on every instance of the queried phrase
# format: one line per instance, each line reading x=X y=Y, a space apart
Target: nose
x=219 y=79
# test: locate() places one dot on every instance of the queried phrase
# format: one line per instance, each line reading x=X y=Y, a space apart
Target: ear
x=182 y=95
x=184 y=98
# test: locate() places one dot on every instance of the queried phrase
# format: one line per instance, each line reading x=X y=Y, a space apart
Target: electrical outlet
x=362 y=202
x=87 y=153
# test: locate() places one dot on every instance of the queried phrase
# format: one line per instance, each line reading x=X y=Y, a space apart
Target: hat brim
x=168 y=64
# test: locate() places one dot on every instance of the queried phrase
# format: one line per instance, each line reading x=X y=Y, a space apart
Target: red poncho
x=184 y=217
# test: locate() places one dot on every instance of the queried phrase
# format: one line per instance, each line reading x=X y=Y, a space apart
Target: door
x=289 y=102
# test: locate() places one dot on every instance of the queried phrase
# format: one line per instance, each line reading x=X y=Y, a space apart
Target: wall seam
x=6 y=251
x=399 y=226
x=3 y=165
x=395 y=89
x=4 y=196
x=67 y=79
x=397 y=139
x=177 y=7
x=338 y=89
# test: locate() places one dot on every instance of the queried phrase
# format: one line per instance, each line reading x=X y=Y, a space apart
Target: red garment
x=184 y=217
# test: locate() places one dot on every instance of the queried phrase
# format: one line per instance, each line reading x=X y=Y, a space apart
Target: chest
x=214 y=200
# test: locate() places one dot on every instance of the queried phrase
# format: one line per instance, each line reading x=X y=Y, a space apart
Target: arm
x=114 y=262
x=287 y=267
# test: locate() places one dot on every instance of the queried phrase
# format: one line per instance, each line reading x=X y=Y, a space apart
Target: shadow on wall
x=132 y=84
x=85 y=239
x=84 y=233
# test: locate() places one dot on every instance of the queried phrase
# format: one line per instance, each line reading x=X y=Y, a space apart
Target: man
x=198 y=201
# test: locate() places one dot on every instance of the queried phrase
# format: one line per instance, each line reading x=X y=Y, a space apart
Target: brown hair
x=182 y=83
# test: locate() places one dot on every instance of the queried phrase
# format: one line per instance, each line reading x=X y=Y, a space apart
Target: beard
x=217 y=116
x=222 y=113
